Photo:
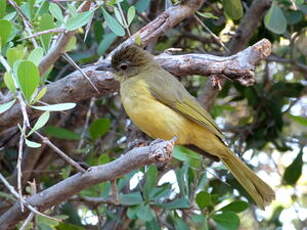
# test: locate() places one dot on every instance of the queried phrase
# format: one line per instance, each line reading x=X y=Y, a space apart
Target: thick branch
x=75 y=87
x=157 y=151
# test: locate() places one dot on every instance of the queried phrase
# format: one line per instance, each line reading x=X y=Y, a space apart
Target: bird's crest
x=133 y=54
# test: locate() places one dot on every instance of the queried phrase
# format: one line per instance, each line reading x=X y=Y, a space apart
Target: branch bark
x=75 y=87
x=157 y=151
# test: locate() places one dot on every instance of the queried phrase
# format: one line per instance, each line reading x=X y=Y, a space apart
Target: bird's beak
x=105 y=66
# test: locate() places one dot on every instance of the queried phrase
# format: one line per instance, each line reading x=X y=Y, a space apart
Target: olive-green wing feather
x=168 y=90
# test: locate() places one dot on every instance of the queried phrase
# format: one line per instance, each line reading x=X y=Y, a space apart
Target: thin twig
x=123 y=17
x=25 y=203
x=87 y=120
x=63 y=155
x=74 y=64
x=53 y=30
x=216 y=38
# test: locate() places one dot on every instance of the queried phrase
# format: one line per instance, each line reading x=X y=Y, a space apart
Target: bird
x=160 y=106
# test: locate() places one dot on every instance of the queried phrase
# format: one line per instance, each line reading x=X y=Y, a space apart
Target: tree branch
x=75 y=87
x=157 y=151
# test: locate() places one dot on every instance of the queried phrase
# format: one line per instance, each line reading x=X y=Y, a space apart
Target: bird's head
x=129 y=61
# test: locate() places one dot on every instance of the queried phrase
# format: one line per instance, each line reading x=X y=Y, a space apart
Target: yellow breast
x=151 y=116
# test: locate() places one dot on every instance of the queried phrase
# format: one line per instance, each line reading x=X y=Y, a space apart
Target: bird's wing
x=168 y=90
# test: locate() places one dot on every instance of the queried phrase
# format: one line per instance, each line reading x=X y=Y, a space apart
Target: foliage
x=267 y=119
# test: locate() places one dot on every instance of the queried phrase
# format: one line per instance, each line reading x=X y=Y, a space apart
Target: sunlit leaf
x=42 y=120
x=5 y=31
x=9 y=82
x=56 y=11
x=28 y=78
x=2 y=8
x=55 y=107
x=113 y=24
x=6 y=106
x=275 y=20
x=40 y=95
x=131 y=14
x=32 y=144
x=15 y=53
x=46 y=22
x=233 y=8
x=78 y=20
x=36 y=55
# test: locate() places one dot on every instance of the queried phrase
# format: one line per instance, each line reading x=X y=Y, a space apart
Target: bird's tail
x=260 y=192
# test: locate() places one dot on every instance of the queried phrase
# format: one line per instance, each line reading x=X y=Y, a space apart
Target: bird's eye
x=123 y=66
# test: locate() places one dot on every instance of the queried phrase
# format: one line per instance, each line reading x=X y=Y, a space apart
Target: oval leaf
x=227 y=220
x=56 y=11
x=236 y=206
x=275 y=20
x=203 y=199
x=61 y=133
x=42 y=120
x=233 y=8
x=78 y=20
x=36 y=55
x=99 y=127
x=6 y=106
x=5 y=31
x=131 y=14
x=32 y=144
x=113 y=24
x=9 y=82
x=28 y=78
x=56 y=107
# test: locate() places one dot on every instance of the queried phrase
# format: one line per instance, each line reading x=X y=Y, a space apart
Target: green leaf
x=61 y=133
x=118 y=16
x=46 y=22
x=236 y=206
x=131 y=14
x=145 y=213
x=55 y=107
x=56 y=11
x=275 y=20
x=99 y=127
x=233 y=8
x=188 y=156
x=113 y=24
x=106 y=42
x=9 y=82
x=28 y=78
x=150 y=181
x=5 y=31
x=294 y=171
x=6 y=106
x=36 y=55
x=40 y=95
x=133 y=198
x=32 y=144
x=203 y=199
x=132 y=212
x=227 y=221
x=2 y=8
x=78 y=20
x=176 y=204
x=16 y=53
x=180 y=224
x=42 y=120
x=299 y=119
x=207 y=15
